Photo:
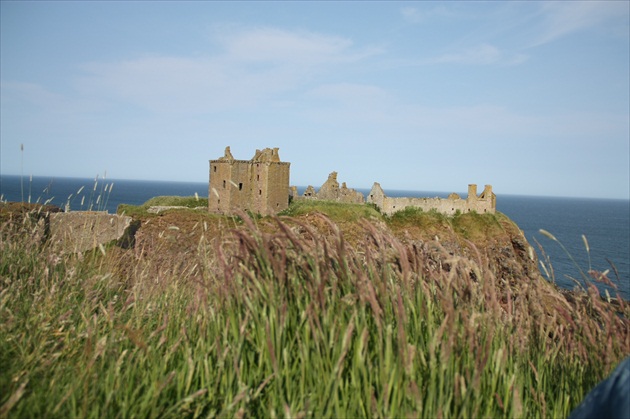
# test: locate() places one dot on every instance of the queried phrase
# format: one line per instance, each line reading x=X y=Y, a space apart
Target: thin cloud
x=44 y=99
x=560 y=19
x=352 y=103
x=415 y=15
x=483 y=54
x=251 y=65
x=412 y=15
x=352 y=92
x=280 y=46
x=162 y=83
x=371 y=106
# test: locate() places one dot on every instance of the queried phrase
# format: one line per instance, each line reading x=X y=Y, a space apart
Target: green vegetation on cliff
x=337 y=211
x=163 y=201
x=288 y=317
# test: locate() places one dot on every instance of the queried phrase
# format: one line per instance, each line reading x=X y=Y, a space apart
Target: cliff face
x=184 y=240
x=492 y=241
x=199 y=248
x=174 y=240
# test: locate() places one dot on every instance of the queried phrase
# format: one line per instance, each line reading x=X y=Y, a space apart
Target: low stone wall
x=78 y=231
x=484 y=203
x=159 y=208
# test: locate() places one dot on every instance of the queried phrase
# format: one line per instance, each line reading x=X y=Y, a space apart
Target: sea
x=590 y=234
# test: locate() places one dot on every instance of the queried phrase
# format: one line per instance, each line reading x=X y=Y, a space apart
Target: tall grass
x=290 y=322
x=98 y=196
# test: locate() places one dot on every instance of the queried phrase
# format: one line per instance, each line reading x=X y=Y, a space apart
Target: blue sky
x=531 y=97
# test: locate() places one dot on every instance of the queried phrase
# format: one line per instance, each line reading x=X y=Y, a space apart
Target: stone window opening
x=259 y=191
x=223 y=184
x=215 y=169
x=240 y=186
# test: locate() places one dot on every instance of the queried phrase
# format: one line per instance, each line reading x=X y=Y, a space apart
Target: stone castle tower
x=260 y=185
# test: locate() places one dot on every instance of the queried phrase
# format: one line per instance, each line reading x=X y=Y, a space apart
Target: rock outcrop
x=78 y=231
x=67 y=232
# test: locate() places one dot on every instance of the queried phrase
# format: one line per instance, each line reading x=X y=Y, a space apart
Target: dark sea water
x=604 y=223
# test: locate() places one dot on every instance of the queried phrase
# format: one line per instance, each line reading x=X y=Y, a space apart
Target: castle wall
x=261 y=185
x=330 y=191
x=230 y=185
x=277 y=187
x=484 y=203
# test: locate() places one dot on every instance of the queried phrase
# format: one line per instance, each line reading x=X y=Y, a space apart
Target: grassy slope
x=314 y=315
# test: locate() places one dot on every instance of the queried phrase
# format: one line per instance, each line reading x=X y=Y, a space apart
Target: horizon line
x=101 y=178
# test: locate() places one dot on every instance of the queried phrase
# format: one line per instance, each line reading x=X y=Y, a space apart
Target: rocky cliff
x=184 y=239
x=175 y=239
x=195 y=245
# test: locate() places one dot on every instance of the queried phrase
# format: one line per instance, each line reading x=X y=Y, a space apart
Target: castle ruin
x=260 y=185
x=486 y=202
x=330 y=191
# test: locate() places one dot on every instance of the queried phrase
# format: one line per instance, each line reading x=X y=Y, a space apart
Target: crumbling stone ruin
x=260 y=185
x=486 y=202
x=330 y=191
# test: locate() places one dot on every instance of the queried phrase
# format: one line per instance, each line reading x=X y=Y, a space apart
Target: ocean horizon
x=605 y=222
x=39 y=188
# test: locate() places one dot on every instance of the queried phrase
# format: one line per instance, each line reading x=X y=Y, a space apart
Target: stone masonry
x=330 y=191
x=484 y=203
x=260 y=185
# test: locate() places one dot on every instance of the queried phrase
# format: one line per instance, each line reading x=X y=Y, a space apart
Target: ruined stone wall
x=330 y=191
x=259 y=185
x=350 y=196
x=484 y=203
x=78 y=231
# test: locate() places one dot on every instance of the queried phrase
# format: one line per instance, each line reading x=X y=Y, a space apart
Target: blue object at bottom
x=610 y=398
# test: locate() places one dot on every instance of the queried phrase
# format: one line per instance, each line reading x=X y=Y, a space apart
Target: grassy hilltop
x=329 y=310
